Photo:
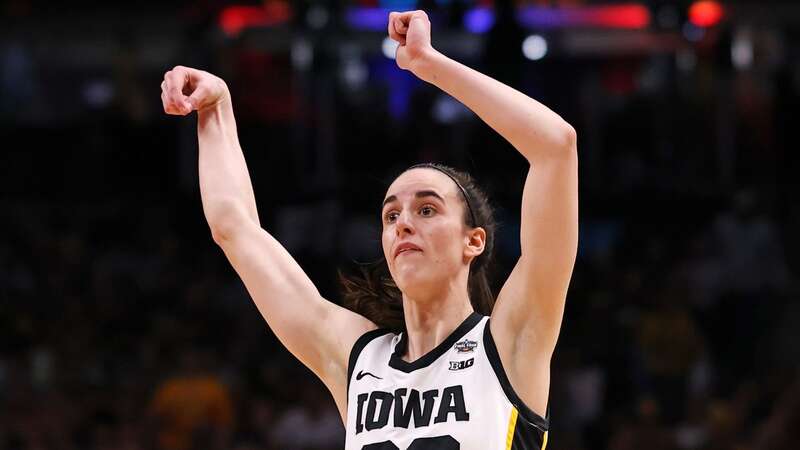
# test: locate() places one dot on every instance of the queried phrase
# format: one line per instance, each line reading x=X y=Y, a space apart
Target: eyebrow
x=418 y=194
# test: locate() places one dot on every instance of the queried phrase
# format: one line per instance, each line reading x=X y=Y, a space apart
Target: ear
x=475 y=241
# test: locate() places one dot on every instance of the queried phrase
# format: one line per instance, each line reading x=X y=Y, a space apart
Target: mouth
x=406 y=249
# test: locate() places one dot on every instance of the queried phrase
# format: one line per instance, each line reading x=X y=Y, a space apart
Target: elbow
x=559 y=141
x=221 y=234
x=564 y=144
x=568 y=138
x=225 y=220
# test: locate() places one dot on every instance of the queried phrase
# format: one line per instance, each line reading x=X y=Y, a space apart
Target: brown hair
x=373 y=293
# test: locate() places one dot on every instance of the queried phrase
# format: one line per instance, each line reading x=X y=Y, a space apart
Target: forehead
x=422 y=179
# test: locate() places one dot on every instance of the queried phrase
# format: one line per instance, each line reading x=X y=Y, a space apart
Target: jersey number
x=434 y=443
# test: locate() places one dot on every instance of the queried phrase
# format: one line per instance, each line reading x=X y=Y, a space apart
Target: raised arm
x=316 y=331
x=527 y=316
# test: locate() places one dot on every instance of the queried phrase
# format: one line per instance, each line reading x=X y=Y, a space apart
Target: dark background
x=122 y=325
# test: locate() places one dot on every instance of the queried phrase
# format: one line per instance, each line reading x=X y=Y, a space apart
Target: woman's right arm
x=316 y=331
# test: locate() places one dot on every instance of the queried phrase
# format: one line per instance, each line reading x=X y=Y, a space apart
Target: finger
x=392 y=28
x=193 y=77
x=400 y=27
x=390 y=25
x=166 y=103
x=176 y=80
x=163 y=100
x=163 y=93
x=405 y=15
x=420 y=17
x=199 y=93
x=401 y=36
x=170 y=107
x=171 y=83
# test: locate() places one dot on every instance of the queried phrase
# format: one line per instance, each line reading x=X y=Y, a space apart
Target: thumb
x=198 y=97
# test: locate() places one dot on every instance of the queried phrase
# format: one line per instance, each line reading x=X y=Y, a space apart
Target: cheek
x=445 y=242
x=386 y=243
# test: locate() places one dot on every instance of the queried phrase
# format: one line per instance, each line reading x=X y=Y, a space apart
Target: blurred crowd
x=123 y=327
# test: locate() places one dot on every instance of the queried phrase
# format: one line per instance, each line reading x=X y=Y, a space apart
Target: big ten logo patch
x=461 y=365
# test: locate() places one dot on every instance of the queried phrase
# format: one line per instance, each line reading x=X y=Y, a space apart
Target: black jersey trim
x=397 y=362
x=358 y=347
x=528 y=436
x=524 y=411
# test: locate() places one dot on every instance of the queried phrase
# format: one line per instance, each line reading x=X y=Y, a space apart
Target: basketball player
x=456 y=373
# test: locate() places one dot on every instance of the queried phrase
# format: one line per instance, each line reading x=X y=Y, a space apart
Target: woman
x=453 y=379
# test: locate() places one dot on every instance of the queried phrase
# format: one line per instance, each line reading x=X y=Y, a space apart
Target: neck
x=431 y=319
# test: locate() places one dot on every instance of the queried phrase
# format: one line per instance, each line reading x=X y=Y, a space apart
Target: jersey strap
x=358 y=347
x=542 y=424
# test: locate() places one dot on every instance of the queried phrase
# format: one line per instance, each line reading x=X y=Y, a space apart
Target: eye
x=427 y=210
x=390 y=216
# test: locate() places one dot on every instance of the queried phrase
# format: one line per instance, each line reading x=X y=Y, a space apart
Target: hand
x=185 y=90
x=412 y=30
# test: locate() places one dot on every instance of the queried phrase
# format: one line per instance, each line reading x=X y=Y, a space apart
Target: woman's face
x=425 y=240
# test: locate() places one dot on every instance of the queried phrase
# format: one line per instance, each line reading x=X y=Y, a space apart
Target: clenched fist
x=185 y=90
x=412 y=30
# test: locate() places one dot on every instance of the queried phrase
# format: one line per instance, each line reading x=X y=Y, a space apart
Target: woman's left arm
x=527 y=316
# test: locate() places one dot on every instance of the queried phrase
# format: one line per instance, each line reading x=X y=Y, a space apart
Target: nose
x=403 y=225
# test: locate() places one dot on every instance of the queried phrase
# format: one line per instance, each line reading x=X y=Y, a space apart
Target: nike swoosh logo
x=362 y=374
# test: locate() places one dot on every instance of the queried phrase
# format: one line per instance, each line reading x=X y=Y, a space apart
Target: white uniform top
x=456 y=397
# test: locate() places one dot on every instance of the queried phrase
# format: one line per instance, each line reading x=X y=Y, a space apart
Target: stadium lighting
x=705 y=13
x=236 y=18
x=479 y=20
x=534 y=47
x=389 y=47
x=634 y=16
x=742 y=50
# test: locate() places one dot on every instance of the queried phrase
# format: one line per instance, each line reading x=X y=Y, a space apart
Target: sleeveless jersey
x=456 y=397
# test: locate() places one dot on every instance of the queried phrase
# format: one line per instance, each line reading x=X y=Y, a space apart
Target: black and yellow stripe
x=512 y=425
x=523 y=435
x=526 y=429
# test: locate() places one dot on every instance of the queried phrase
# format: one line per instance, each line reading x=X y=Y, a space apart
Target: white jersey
x=456 y=397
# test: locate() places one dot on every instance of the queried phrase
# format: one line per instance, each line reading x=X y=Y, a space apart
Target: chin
x=413 y=278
